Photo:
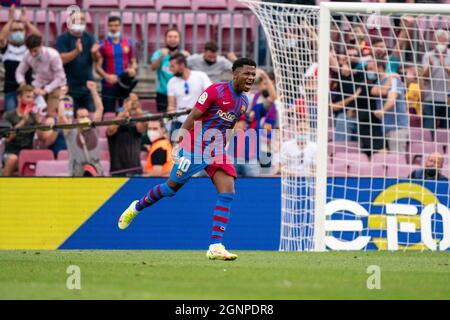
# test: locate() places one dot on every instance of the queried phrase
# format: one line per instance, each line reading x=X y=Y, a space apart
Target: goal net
x=365 y=121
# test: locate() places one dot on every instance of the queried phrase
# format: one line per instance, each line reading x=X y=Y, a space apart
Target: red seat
x=419 y=135
x=100 y=4
x=240 y=27
x=385 y=158
x=400 y=171
x=442 y=136
x=103 y=142
x=137 y=4
x=57 y=3
x=104 y=155
x=62 y=155
x=109 y=116
x=41 y=18
x=29 y=158
x=208 y=4
x=106 y=166
x=170 y=4
x=49 y=168
x=30 y=3
x=343 y=146
x=200 y=23
x=337 y=169
x=233 y=5
x=149 y=105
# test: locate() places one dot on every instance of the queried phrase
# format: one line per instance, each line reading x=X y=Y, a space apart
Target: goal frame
x=325 y=11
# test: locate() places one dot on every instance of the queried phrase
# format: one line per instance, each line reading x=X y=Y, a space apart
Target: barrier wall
x=80 y=213
x=77 y=213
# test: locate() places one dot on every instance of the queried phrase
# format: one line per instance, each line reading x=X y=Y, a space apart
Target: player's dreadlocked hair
x=239 y=63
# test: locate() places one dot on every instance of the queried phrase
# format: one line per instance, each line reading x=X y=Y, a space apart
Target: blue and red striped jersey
x=116 y=56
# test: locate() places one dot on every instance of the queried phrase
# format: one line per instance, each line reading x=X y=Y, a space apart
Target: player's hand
x=175 y=151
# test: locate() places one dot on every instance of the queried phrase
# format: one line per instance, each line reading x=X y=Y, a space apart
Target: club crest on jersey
x=242 y=109
x=203 y=97
x=227 y=116
x=179 y=173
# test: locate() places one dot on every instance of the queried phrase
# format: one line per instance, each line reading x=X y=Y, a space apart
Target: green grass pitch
x=255 y=275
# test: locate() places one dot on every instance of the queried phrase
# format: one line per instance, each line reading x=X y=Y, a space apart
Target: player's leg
x=181 y=172
x=223 y=179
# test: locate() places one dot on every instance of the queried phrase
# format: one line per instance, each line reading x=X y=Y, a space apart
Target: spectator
x=13 y=49
x=78 y=50
x=116 y=61
x=436 y=69
x=184 y=88
x=300 y=151
x=22 y=116
x=161 y=64
x=159 y=161
x=125 y=140
x=51 y=139
x=48 y=70
x=211 y=63
x=413 y=93
x=83 y=143
x=392 y=109
x=263 y=114
x=344 y=96
x=432 y=170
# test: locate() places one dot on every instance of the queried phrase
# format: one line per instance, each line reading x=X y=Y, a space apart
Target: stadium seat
x=31 y=3
x=102 y=131
x=385 y=158
x=39 y=19
x=62 y=155
x=29 y=158
x=442 y=136
x=343 y=146
x=100 y=4
x=239 y=26
x=109 y=116
x=57 y=3
x=149 y=105
x=106 y=166
x=103 y=143
x=208 y=5
x=337 y=169
x=49 y=168
x=365 y=170
x=233 y=5
x=137 y=4
x=419 y=134
x=144 y=155
x=399 y=171
x=170 y=4
x=104 y=155
x=354 y=159
x=203 y=29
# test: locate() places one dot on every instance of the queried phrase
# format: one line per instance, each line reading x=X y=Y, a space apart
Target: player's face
x=245 y=78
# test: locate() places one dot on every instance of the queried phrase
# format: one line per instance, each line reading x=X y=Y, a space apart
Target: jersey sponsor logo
x=227 y=116
x=203 y=97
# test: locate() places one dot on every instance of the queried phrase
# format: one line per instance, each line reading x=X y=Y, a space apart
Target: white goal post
x=308 y=45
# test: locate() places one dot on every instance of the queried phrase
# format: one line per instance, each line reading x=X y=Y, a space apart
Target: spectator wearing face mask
x=160 y=64
x=116 y=58
x=159 y=161
x=211 y=63
x=184 y=88
x=78 y=50
x=13 y=49
x=436 y=70
x=22 y=116
x=48 y=71
x=125 y=140
x=83 y=143
x=432 y=170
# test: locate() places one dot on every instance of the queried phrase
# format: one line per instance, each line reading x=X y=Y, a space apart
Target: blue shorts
x=186 y=167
